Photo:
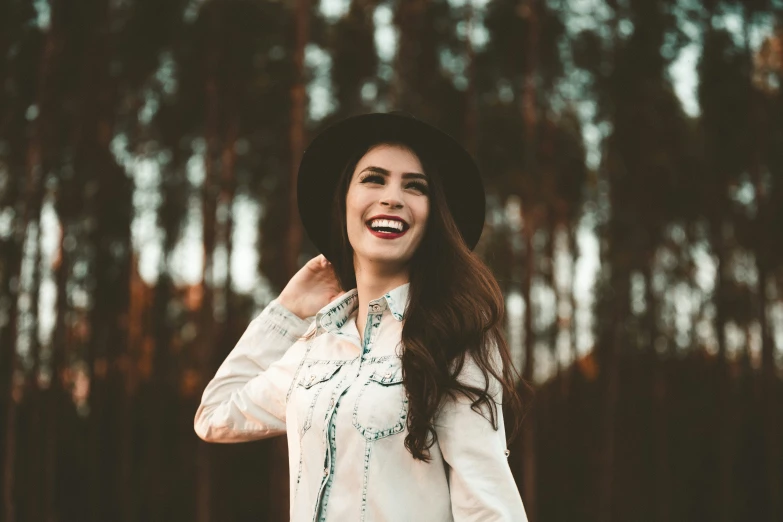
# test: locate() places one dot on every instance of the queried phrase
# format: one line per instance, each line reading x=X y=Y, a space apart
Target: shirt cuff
x=284 y=321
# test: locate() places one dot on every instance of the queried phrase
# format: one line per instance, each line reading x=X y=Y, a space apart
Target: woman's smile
x=387 y=227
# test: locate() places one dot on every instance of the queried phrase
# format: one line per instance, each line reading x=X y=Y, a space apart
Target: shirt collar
x=334 y=315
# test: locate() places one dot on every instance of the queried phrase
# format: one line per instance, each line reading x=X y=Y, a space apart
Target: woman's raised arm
x=246 y=399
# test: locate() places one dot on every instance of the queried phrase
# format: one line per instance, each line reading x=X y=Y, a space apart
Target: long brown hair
x=455 y=309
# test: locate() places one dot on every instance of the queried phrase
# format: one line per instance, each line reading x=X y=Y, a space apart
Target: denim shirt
x=341 y=402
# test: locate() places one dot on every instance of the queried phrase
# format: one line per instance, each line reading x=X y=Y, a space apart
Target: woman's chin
x=385 y=256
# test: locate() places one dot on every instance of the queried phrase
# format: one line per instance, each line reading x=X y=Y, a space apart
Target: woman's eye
x=372 y=177
x=376 y=178
x=421 y=187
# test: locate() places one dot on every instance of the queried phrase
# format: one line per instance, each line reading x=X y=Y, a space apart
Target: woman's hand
x=314 y=286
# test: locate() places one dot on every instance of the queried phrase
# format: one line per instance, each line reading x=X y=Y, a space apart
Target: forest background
x=632 y=152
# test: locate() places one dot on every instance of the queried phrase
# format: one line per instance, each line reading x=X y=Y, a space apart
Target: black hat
x=330 y=151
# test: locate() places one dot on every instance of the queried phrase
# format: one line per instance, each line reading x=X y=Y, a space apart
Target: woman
x=389 y=393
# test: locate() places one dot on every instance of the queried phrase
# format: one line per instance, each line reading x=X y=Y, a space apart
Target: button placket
x=376 y=310
x=326 y=482
x=371 y=326
x=373 y=323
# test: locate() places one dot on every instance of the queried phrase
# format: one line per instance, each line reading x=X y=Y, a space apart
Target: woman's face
x=388 y=181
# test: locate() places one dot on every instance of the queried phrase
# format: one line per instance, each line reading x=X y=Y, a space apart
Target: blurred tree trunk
x=772 y=439
x=613 y=335
x=407 y=13
x=209 y=195
x=159 y=471
x=226 y=201
x=110 y=403
x=528 y=429
x=354 y=57
x=30 y=211
x=470 y=130
x=406 y=91
x=529 y=111
x=108 y=215
x=662 y=479
x=762 y=226
x=40 y=153
x=10 y=264
x=573 y=247
x=297 y=133
x=33 y=394
x=8 y=365
x=67 y=205
x=16 y=196
x=56 y=397
x=161 y=427
x=719 y=216
x=609 y=365
x=724 y=414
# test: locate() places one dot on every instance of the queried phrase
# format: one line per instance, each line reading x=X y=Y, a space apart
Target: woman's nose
x=391 y=202
x=391 y=197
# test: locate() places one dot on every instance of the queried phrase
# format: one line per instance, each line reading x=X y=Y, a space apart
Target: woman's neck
x=373 y=282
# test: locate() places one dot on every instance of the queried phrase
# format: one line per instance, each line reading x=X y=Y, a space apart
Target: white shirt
x=341 y=401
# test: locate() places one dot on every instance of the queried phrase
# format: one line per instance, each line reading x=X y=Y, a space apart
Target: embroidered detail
x=299 y=471
x=367 y=448
x=329 y=472
x=388 y=376
x=296 y=373
x=381 y=358
x=313 y=376
x=335 y=316
x=377 y=419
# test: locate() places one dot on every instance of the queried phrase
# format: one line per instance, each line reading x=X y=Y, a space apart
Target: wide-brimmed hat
x=330 y=151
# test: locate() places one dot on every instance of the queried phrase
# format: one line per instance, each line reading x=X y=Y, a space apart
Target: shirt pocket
x=314 y=378
x=381 y=407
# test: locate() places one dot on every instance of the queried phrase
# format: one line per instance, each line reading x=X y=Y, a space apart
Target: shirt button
x=507 y=452
x=331 y=403
x=326 y=471
x=387 y=375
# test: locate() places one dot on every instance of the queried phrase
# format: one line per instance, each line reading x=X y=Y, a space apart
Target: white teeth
x=387 y=223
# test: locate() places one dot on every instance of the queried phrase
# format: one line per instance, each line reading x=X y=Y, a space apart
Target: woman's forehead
x=393 y=157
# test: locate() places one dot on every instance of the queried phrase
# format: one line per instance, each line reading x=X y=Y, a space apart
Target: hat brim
x=329 y=152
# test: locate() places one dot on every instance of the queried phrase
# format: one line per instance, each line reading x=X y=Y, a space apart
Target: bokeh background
x=633 y=158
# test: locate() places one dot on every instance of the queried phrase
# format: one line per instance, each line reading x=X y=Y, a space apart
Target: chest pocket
x=381 y=408
x=314 y=378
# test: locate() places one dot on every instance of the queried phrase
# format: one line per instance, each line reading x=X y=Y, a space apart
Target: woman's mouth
x=386 y=233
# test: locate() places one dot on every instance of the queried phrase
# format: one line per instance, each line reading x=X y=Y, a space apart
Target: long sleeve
x=481 y=485
x=246 y=398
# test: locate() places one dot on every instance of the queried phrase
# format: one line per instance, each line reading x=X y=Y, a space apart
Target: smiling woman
x=386 y=368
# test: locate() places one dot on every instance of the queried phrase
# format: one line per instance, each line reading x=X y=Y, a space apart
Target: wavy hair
x=455 y=310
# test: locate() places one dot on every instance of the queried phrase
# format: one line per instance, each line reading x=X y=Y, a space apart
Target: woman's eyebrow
x=405 y=175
